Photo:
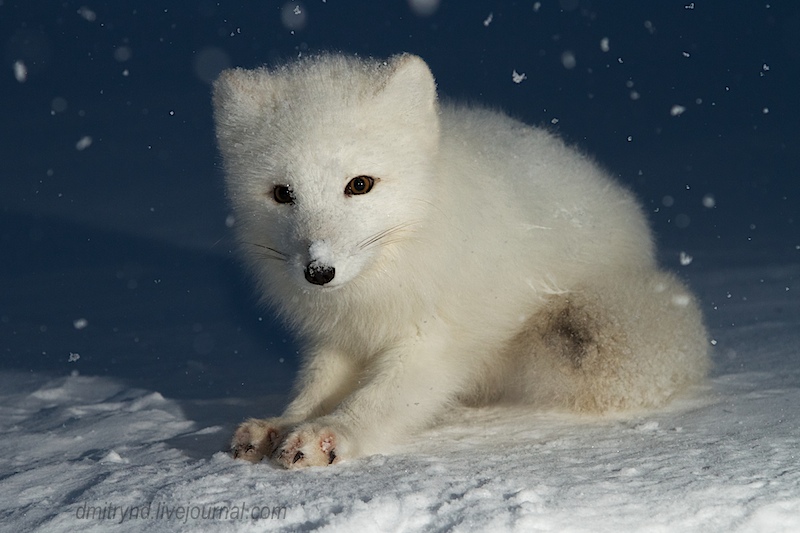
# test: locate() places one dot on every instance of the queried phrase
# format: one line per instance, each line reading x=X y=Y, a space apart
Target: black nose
x=319 y=274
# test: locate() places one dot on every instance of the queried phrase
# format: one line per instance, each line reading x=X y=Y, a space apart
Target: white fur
x=489 y=262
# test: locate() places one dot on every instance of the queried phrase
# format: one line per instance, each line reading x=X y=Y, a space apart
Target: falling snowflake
x=677 y=110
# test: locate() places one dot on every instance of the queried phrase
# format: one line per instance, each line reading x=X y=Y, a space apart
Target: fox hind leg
x=619 y=342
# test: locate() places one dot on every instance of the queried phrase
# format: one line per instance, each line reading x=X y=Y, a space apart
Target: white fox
x=431 y=254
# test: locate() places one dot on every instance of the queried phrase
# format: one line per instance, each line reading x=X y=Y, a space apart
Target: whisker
x=370 y=240
x=381 y=236
x=267 y=256
x=276 y=254
x=376 y=237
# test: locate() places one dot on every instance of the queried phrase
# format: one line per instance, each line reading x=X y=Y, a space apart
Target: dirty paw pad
x=308 y=448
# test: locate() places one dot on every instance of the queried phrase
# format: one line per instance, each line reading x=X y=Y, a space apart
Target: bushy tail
x=619 y=342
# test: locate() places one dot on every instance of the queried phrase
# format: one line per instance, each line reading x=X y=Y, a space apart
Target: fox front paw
x=256 y=438
x=310 y=445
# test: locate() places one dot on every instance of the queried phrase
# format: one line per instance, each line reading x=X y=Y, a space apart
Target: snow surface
x=725 y=459
x=130 y=346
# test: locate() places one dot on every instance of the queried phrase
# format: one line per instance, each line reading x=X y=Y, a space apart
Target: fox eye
x=283 y=194
x=359 y=185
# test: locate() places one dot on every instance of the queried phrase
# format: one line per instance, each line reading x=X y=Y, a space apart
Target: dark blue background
x=130 y=232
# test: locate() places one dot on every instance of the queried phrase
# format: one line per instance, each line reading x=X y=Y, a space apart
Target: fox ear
x=239 y=95
x=410 y=82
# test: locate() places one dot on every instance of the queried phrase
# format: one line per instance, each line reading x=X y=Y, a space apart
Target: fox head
x=329 y=163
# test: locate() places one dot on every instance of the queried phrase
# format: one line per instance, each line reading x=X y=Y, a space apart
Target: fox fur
x=431 y=254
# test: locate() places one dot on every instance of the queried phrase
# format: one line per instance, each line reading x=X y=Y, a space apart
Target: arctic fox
x=431 y=254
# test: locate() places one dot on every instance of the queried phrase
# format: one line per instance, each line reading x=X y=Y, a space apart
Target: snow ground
x=89 y=450
x=129 y=345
